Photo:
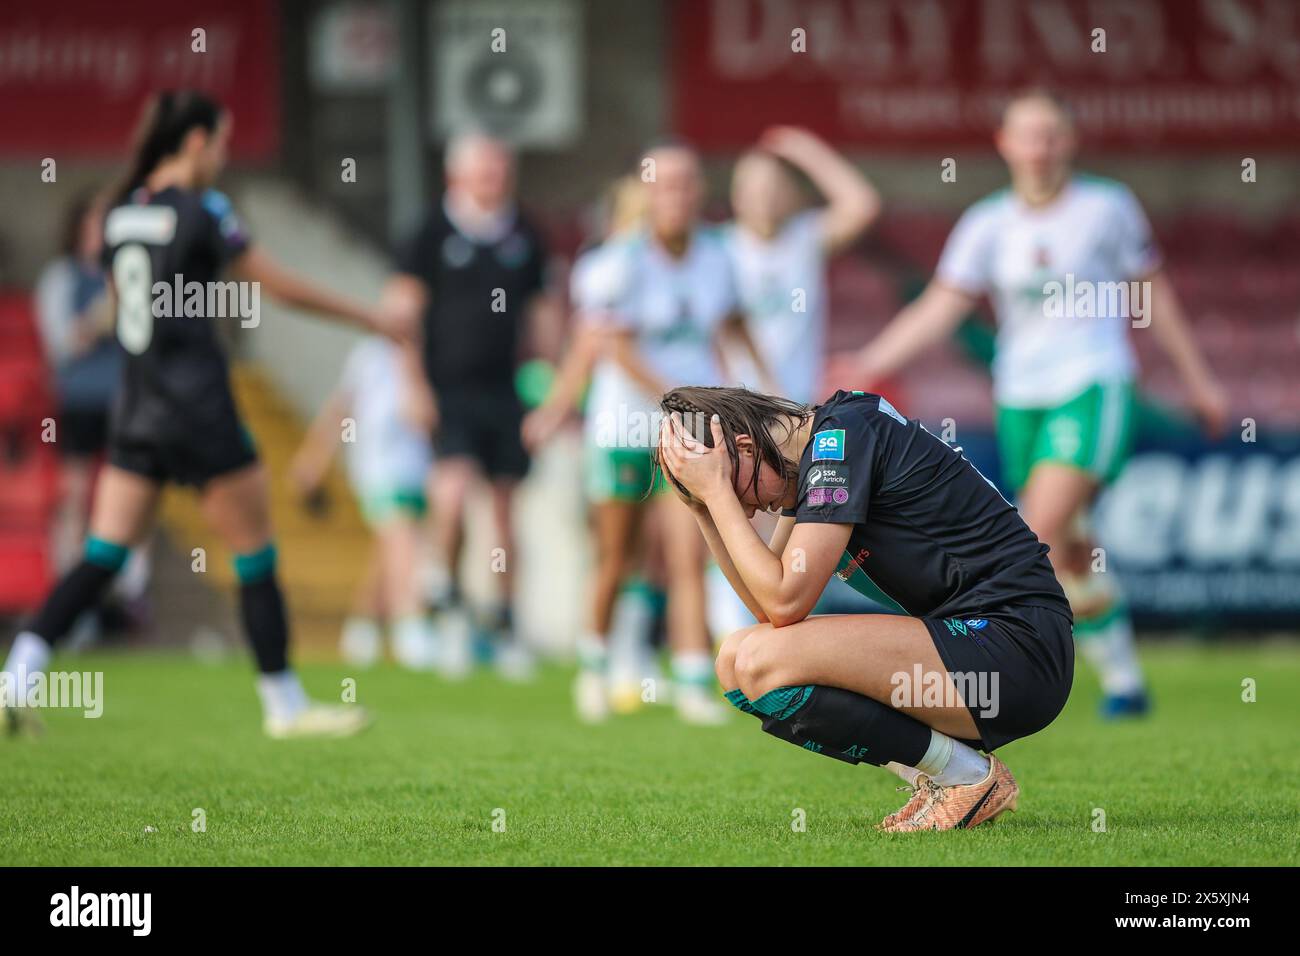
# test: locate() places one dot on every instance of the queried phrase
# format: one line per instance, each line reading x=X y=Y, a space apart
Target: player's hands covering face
x=704 y=472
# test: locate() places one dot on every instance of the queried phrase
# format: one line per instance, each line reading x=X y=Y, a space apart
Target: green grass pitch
x=1208 y=779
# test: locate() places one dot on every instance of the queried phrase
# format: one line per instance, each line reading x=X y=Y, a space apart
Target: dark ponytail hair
x=167 y=120
x=740 y=412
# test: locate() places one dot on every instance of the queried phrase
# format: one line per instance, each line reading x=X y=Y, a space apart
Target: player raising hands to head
x=981 y=655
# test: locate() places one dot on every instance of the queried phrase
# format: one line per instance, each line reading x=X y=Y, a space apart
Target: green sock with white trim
x=593 y=652
x=693 y=669
x=1106 y=642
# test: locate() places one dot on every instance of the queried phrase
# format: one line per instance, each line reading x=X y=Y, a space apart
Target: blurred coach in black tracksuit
x=469 y=278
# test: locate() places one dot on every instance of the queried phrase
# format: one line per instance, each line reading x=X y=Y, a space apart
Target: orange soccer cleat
x=960 y=807
x=920 y=793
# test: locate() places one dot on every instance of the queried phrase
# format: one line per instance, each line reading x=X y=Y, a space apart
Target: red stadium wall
x=28 y=466
x=900 y=74
x=74 y=75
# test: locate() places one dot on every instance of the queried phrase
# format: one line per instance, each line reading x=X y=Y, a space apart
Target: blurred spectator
x=76 y=328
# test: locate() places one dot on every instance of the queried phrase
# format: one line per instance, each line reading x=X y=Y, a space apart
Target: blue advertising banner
x=1198 y=533
x=1207 y=533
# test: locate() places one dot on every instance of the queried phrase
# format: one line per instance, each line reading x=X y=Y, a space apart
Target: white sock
x=412 y=641
x=693 y=668
x=360 y=632
x=1112 y=652
x=360 y=640
x=29 y=655
x=592 y=652
x=133 y=580
x=627 y=636
x=410 y=627
x=908 y=774
x=952 y=763
x=437 y=584
x=282 y=695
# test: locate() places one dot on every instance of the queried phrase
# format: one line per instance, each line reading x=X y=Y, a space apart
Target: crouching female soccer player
x=984 y=654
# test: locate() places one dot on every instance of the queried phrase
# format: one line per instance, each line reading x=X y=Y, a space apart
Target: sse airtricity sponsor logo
x=828 y=445
x=825 y=475
x=828 y=484
x=133 y=910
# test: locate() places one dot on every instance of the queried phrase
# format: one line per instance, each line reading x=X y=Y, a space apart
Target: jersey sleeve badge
x=828 y=445
x=229 y=224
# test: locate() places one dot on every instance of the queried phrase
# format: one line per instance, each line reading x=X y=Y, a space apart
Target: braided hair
x=740 y=412
x=167 y=120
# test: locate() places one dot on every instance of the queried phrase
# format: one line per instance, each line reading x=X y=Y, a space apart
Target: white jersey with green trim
x=596 y=284
x=781 y=283
x=385 y=454
x=672 y=307
x=1063 y=280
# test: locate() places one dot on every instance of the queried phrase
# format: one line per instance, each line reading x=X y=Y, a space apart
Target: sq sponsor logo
x=828 y=445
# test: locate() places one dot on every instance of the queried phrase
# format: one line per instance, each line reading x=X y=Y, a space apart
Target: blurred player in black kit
x=174 y=418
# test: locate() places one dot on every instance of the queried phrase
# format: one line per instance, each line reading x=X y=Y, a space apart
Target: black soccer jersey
x=478 y=293
x=164 y=251
x=929 y=531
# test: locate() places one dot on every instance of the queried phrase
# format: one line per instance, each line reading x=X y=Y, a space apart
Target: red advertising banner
x=917 y=73
x=75 y=74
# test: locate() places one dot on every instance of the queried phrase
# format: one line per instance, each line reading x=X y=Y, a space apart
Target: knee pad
x=251 y=568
